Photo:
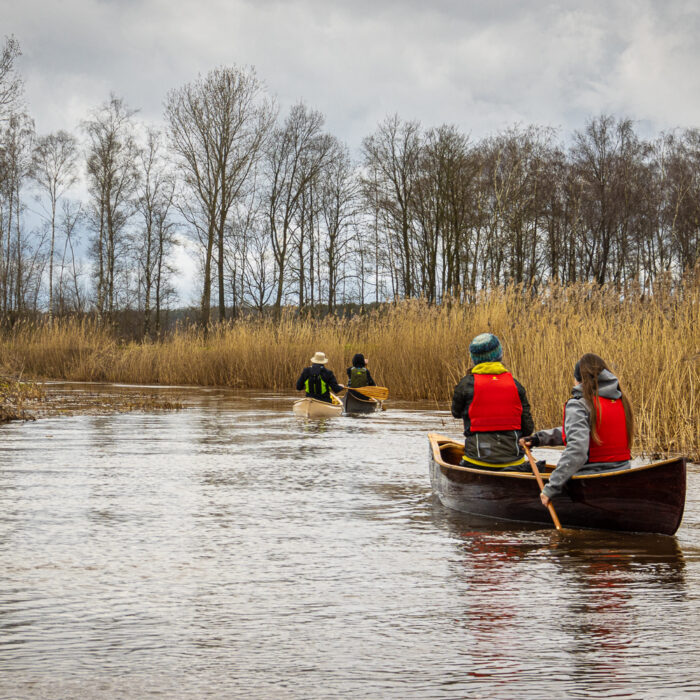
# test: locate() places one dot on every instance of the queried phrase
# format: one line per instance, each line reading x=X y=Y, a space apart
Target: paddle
x=540 y=483
x=380 y=393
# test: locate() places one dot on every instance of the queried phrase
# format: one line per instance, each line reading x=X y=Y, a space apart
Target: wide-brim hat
x=319 y=358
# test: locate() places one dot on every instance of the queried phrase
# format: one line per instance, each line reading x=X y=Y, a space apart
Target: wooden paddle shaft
x=540 y=483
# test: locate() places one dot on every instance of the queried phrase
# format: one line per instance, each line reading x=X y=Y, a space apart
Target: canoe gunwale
x=436 y=440
x=363 y=399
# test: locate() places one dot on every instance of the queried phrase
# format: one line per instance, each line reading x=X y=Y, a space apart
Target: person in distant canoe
x=596 y=440
x=359 y=376
x=494 y=408
x=317 y=381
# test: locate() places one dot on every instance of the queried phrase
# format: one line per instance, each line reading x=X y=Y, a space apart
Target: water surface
x=234 y=550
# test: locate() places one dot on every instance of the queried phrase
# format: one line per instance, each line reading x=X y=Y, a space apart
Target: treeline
x=281 y=214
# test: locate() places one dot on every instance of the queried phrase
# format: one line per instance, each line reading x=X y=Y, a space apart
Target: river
x=230 y=549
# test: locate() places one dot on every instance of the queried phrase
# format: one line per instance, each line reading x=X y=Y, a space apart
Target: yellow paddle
x=380 y=393
x=540 y=483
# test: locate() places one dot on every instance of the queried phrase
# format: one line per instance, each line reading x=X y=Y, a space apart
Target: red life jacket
x=496 y=404
x=612 y=431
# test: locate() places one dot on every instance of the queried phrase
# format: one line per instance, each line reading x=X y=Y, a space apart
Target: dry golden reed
x=421 y=351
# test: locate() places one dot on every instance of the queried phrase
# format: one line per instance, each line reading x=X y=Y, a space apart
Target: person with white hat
x=317 y=380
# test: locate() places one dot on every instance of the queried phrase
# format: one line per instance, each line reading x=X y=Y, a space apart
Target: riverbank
x=421 y=351
x=28 y=400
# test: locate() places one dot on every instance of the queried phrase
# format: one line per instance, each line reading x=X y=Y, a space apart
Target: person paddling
x=597 y=427
x=494 y=408
x=358 y=375
x=317 y=381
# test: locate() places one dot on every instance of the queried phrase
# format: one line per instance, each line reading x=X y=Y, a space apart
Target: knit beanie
x=486 y=347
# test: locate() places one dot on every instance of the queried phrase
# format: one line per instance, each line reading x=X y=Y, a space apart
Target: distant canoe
x=313 y=408
x=648 y=498
x=354 y=403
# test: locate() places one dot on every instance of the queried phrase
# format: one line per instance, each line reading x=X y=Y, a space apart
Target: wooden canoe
x=647 y=498
x=355 y=403
x=313 y=408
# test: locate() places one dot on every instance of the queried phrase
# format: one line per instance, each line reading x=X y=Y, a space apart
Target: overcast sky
x=482 y=65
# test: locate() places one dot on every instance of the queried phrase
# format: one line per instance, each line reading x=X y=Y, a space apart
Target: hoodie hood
x=608 y=386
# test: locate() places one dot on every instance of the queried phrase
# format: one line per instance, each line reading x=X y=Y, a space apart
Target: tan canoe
x=313 y=408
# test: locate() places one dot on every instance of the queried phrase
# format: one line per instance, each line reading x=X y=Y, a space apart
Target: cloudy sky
x=482 y=65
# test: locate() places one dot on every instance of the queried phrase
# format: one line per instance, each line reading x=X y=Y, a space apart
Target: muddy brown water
x=233 y=550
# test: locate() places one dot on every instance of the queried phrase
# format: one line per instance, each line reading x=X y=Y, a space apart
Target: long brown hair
x=590 y=366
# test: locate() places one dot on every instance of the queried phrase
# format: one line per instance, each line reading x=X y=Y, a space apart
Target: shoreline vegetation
x=22 y=400
x=420 y=351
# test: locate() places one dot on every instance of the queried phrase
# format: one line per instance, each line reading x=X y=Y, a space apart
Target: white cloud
x=481 y=66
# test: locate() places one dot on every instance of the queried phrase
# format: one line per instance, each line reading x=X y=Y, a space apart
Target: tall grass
x=420 y=352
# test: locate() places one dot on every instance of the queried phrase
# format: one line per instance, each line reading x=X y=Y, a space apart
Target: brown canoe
x=648 y=498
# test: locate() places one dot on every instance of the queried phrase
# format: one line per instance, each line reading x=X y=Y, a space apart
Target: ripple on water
x=231 y=549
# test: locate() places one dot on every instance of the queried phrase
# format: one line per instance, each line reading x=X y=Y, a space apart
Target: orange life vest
x=496 y=404
x=612 y=431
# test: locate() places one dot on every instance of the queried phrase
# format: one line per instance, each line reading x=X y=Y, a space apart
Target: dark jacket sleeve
x=370 y=381
x=302 y=378
x=463 y=395
x=349 y=371
x=527 y=425
x=331 y=380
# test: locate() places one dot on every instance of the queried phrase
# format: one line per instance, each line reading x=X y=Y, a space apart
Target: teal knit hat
x=486 y=347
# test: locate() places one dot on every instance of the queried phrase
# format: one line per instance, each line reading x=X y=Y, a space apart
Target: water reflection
x=594 y=600
x=234 y=550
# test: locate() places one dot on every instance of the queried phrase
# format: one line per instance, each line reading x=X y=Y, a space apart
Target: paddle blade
x=380 y=393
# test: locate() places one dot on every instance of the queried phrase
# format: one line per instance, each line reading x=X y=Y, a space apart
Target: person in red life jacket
x=317 y=381
x=597 y=427
x=358 y=375
x=494 y=408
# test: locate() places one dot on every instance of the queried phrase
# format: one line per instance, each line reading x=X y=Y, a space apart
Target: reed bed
x=419 y=351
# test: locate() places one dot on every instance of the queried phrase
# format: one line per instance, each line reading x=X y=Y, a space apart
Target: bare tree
x=10 y=83
x=393 y=153
x=15 y=155
x=54 y=169
x=294 y=158
x=218 y=125
x=71 y=293
x=112 y=180
x=601 y=157
x=154 y=239
x=339 y=202
x=260 y=268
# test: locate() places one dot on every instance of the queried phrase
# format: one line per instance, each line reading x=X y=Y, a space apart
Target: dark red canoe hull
x=641 y=499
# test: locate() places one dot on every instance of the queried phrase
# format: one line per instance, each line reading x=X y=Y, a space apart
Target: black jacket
x=495 y=447
x=312 y=373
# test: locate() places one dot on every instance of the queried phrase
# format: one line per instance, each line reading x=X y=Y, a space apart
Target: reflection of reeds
x=420 y=352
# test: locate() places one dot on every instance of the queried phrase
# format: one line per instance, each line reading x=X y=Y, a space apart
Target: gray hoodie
x=574 y=460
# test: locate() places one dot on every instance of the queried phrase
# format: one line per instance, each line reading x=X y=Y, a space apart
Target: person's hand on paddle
x=545 y=501
x=530 y=441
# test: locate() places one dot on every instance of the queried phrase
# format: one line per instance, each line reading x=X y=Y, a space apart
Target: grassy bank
x=420 y=352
